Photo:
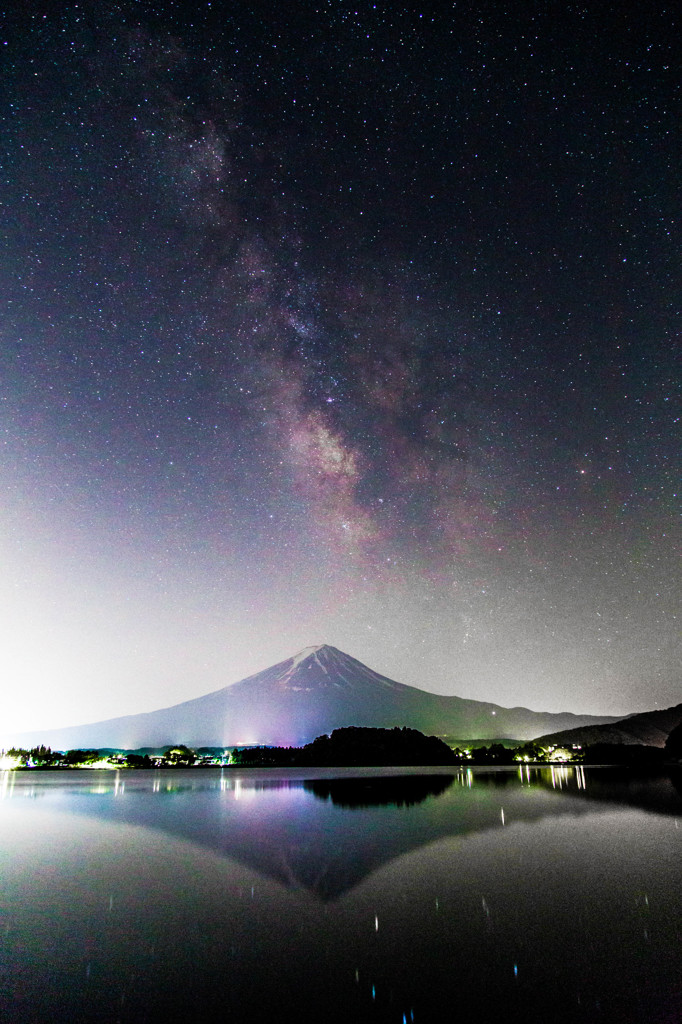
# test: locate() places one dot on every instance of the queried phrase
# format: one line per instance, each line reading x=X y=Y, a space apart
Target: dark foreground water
x=248 y=896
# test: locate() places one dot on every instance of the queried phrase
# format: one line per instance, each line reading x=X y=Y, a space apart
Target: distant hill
x=354 y=746
x=316 y=691
x=651 y=728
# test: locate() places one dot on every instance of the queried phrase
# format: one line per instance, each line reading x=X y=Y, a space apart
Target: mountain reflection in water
x=342 y=895
x=297 y=830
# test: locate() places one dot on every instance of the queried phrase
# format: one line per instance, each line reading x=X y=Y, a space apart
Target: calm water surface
x=341 y=895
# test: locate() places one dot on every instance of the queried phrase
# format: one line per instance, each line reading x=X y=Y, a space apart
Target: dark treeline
x=45 y=757
x=373 y=747
x=179 y=756
x=355 y=746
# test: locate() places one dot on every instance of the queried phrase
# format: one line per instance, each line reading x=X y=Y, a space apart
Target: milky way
x=346 y=325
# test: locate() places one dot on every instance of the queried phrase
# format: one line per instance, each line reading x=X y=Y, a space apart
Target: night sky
x=339 y=323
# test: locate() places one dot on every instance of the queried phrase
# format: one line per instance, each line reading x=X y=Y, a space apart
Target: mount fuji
x=291 y=703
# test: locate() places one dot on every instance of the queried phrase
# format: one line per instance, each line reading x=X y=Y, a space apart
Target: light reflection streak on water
x=243 y=789
x=234 y=785
x=7 y=787
x=100 y=789
x=240 y=788
x=559 y=776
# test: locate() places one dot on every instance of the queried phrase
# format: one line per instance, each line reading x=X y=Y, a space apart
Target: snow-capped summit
x=307 y=652
x=324 y=665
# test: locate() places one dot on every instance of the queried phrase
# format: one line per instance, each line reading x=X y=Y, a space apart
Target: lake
x=387 y=895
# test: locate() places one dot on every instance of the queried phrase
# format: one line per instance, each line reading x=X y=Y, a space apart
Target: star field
x=341 y=324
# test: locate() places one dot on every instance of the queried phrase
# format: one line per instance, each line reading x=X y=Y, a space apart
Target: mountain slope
x=650 y=728
x=291 y=703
